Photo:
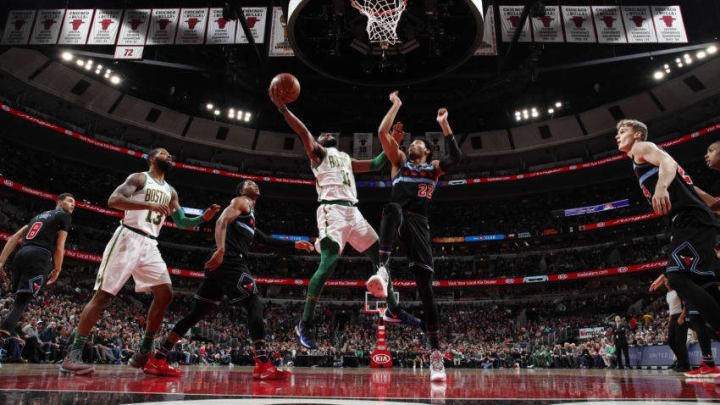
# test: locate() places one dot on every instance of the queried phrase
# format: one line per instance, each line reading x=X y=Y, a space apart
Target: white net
x=383 y=17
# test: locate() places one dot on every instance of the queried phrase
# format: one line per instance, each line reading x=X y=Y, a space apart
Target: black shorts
x=692 y=245
x=30 y=269
x=230 y=279
x=415 y=236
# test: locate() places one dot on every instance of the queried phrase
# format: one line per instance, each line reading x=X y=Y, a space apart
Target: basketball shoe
x=437 y=367
x=160 y=367
x=377 y=284
x=264 y=370
x=306 y=337
x=704 y=372
x=401 y=317
x=73 y=364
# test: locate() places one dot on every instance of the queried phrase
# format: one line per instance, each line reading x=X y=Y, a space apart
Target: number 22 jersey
x=413 y=187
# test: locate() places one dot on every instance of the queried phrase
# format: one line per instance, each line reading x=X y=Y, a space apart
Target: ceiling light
x=232 y=111
x=680 y=65
x=67 y=56
x=115 y=80
x=108 y=71
x=658 y=75
x=701 y=54
x=667 y=71
x=677 y=60
x=209 y=106
x=90 y=62
x=517 y=112
x=518 y=118
x=216 y=112
x=686 y=56
x=551 y=110
x=107 y=75
x=666 y=66
x=535 y=114
x=712 y=49
x=533 y=109
x=247 y=116
x=80 y=62
x=688 y=61
x=88 y=66
x=239 y=114
x=525 y=112
x=558 y=104
x=231 y=114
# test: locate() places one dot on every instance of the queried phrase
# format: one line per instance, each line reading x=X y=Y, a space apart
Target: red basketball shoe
x=704 y=372
x=266 y=371
x=160 y=367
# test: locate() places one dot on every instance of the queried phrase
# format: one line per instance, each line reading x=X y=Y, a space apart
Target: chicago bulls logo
x=514 y=20
x=668 y=20
x=106 y=23
x=221 y=23
x=546 y=20
x=163 y=23
x=609 y=21
x=252 y=21
x=18 y=24
x=192 y=22
x=687 y=260
x=48 y=23
x=76 y=23
x=578 y=21
x=638 y=20
x=135 y=23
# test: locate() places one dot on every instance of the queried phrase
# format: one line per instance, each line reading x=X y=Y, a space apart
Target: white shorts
x=344 y=225
x=129 y=253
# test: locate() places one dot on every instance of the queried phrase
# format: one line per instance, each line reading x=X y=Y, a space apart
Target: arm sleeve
x=184 y=222
x=263 y=238
x=378 y=162
x=454 y=154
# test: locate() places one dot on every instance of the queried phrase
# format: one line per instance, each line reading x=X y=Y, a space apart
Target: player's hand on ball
x=275 y=97
x=53 y=276
x=395 y=98
x=442 y=115
x=216 y=260
x=211 y=212
x=161 y=209
x=661 y=202
x=304 y=245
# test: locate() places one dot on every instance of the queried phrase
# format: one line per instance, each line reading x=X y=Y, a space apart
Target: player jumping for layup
x=338 y=220
x=147 y=200
x=227 y=274
x=414 y=178
x=41 y=255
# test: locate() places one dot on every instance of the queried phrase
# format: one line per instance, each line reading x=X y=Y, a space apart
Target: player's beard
x=164 y=165
x=328 y=142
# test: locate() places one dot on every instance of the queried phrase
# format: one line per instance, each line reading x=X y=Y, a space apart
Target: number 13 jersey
x=148 y=221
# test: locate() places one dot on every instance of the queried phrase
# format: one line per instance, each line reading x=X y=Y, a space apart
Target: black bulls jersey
x=43 y=229
x=681 y=190
x=413 y=187
x=240 y=234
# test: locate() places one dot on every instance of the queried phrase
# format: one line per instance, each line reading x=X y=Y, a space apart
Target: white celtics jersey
x=334 y=177
x=148 y=221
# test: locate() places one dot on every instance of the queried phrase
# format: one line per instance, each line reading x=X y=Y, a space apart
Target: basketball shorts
x=30 y=269
x=692 y=245
x=231 y=280
x=343 y=224
x=131 y=254
x=414 y=235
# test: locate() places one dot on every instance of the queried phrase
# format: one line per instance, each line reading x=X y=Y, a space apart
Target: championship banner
x=47 y=27
x=76 y=26
x=279 y=44
x=509 y=22
x=134 y=27
x=220 y=30
x=191 y=29
x=437 y=140
x=609 y=25
x=669 y=24
x=638 y=24
x=105 y=26
x=489 y=42
x=18 y=26
x=548 y=28
x=578 y=23
x=256 y=18
x=362 y=145
x=163 y=26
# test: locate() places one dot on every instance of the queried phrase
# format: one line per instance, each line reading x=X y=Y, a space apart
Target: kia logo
x=381 y=358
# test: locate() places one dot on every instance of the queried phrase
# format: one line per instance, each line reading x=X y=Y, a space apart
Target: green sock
x=372 y=254
x=328 y=262
x=147 y=342
x=79 y=342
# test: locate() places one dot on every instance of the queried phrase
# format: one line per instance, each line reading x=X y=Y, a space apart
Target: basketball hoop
x=383 y=17
x=382 y=311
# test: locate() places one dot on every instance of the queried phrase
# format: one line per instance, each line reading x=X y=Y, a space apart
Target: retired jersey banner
x=437 y=140
x=279 y=43
x=489 y=43
x=105 y=26
x=76 y=26
x=220 y=30
x=638 y=24
x=18 y=26
x=163 y=26
x=47 y=27
x=609 y=25
x=191 y=29
x=256 y=18
x=548 y=28
x=510 y=21
x=669 y=24
x=578 y=22
x=362 y=145
x=133 y=30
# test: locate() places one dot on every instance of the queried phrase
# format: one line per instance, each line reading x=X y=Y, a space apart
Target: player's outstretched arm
x=643 y=152
x=314 y=150
x=121 y=199
x=454 y=155
x=390 y=147
x=372 y=165
x=263 y=238
x=179 y=218
x=238 y=205
x=11 y=244
x=58 y=256
x=711 y=201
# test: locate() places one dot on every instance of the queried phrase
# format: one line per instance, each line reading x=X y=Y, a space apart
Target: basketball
x=288 y=86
